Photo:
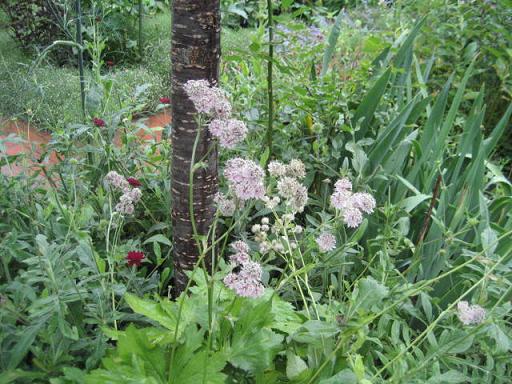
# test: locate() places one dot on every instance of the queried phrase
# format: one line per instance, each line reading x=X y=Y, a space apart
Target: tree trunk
x=195 y=55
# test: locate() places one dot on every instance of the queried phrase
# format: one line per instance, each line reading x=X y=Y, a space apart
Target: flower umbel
x=130 y=197
x=117 y=181
x=245 y=178
x=352 y=205
x=246 y=282
x=206 y=99
x=326 y=242
x=225 y=205
x=470 y=314
x=229 y=132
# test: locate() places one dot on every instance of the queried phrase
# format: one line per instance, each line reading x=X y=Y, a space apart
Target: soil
x=18 y=137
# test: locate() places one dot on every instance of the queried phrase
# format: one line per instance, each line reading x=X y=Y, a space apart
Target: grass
x=50 y=95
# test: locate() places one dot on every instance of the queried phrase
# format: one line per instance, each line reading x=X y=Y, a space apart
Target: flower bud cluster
x=273 y=237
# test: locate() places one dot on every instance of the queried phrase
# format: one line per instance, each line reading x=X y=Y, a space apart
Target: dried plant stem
x=428 y=216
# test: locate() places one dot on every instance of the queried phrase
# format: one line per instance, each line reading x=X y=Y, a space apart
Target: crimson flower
x=98 y=122
x=134 y=258
x=110 y=63
x=133 y=182
x=165 y=100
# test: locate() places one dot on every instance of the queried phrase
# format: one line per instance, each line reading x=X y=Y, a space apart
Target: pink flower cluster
x=229 y=132
x=213 y=101
x=470 y=314
x=326 y=242
x=130 y=196
x=117 y=181
x=247 y=281
x=352 y=205
x=127 y=201
x=207 y=99
x=245 y=178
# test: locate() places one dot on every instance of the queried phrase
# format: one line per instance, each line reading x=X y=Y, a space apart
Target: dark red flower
x=165 y=100
x=134 y=258
x=133 y=182
x=110 y=63
x=98 y=122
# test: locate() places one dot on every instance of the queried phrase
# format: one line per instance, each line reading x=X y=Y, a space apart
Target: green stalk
x=80 y=55
x=269 y=79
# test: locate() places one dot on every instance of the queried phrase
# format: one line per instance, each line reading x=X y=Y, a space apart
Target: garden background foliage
x=410 y=101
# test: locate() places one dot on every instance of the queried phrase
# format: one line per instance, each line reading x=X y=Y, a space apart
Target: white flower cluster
x=277 y=241
x=289 y=187
x=225 y=205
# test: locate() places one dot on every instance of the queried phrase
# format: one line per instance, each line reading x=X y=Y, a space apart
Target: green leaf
x=159 y=238
x=152 y=310
x=368 y=293
x=345 y=376
x=23 y=345
x=200 y=368
x=409 y=203
x=314 y=332
x=368 y=106
x=503 y=341
x=138 y=358
x=451 y=376
x=264 y=157
x=253 y=344
x=331 y=43
x=489 y=241
x=285 y=319
x=294 y=365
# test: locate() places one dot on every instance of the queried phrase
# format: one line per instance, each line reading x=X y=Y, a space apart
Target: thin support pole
x=80 y=55
x=269 y=79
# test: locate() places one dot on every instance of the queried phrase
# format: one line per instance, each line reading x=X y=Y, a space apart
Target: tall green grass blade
x=388 y=138
x=497 y=132
x=331 y=43
x=369 y=104
x=470 y=130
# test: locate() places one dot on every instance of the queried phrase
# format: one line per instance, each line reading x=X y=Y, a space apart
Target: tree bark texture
x=195 y=55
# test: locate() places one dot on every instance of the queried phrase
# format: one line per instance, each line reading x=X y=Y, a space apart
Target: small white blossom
x=225 y=205
x=276 y=168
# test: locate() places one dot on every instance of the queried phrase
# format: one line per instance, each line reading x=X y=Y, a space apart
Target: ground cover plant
x=361 y=229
